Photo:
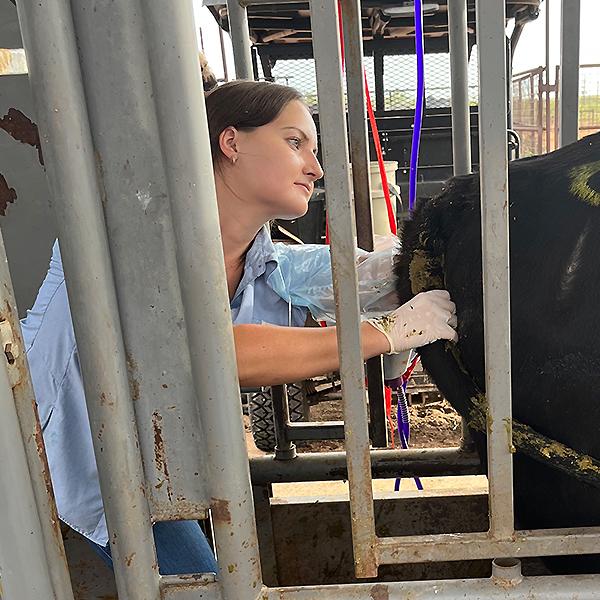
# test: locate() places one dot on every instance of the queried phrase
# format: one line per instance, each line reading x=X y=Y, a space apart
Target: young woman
x=264 y=146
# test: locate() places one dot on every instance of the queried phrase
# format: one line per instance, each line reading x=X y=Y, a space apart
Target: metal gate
x=95 y=113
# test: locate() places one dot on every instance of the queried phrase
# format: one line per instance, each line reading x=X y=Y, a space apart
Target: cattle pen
x=160 y=464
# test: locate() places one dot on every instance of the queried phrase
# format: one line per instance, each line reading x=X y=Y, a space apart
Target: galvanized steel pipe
x=384 y=464
x=332 y=111
x=240 y=39
x=23 y=565
x=31 y=434
x=459 y=84
x=69 y=157
x=185 y=141
x=568 y=131
x=496 y=273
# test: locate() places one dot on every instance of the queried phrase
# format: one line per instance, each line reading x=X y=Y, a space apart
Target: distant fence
x=534 y=107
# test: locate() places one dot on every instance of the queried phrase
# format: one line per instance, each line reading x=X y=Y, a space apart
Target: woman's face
x=275 y=165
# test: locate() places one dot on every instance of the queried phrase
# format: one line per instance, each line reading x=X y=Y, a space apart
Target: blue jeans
x=181 y=549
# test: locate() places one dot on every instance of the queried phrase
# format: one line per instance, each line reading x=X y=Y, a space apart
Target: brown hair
x=244 y=105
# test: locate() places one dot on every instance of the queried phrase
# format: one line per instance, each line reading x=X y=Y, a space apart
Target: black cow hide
x=555 y=323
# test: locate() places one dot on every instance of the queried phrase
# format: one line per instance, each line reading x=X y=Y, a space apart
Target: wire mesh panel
x=400 y=81
x=527 y=110
x=300 y=74
x=533 y=99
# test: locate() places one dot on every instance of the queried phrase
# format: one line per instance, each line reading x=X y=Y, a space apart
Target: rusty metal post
x=326 y=44
x=26 y=557
x=69 y=156
x=183 y=128
x=496 y=272
x=31 y=434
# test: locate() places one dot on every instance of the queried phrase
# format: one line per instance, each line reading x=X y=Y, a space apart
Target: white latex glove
x=428 y=317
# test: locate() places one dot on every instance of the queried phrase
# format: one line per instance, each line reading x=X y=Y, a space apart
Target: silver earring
x=233 y=159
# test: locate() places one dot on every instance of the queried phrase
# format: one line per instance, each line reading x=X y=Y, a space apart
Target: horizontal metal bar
x=471 y=546
x=582 y=587
x=384 y=464
x=189 y=587
x=332 y=430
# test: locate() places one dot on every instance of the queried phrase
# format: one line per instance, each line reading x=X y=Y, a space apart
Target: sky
x=530 y=52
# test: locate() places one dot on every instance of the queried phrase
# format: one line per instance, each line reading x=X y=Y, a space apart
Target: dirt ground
x=435 y=425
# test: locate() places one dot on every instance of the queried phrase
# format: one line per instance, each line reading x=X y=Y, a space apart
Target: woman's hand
x=428 y=317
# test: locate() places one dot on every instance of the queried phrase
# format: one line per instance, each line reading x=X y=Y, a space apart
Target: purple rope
x=403 y=421
x=414 y=155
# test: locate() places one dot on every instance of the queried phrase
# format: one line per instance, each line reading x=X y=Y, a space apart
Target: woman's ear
x=228 y=142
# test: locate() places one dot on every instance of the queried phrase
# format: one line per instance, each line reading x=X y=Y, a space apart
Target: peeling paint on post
x=7 y=195
x=23 y=129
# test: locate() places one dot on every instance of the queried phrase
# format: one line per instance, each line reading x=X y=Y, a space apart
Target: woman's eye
x=295 y=142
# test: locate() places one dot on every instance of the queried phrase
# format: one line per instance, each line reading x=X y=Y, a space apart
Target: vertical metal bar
x=240 y=39
x=357 y=123
x=459 y=67
x=31 y=434
x=223 y=56
x=268 y=557
x=569 y=66
x=69 y=157
x=359 y=155
x=24 y=567
x=540 y=113
x=285 y=448
x=557 y=79
x=496 y=274
x=326 y=44
x=379 y=85
x=142 y=246
x=547 y=87
x=187 y=156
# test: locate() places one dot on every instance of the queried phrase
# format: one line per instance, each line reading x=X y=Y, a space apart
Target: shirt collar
x=261 y=258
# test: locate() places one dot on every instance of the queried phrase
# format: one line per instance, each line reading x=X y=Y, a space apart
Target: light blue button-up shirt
x=278 y=284
x=54 y=364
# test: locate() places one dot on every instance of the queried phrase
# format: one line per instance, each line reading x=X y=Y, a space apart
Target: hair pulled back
x=244 y=105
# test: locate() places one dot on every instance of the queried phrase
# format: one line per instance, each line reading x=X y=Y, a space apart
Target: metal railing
x=84 y=148
x=535 y=104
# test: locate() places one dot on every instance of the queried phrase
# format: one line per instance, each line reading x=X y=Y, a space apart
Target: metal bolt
x=9 y=355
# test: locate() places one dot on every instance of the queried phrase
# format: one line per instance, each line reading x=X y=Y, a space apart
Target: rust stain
x=134 y=377
x=220 y=510
x=100 y=171
x=7 y=195
x=129 y=558
x=160 y=454
x=45 y=473
x=23 y=129
x=380 y=592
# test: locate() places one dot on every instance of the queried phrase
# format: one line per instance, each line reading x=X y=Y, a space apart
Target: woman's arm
x=270 y=355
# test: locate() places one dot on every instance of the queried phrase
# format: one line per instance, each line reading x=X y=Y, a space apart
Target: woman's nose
x=313 y=167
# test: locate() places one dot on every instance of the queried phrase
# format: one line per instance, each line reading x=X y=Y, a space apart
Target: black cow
x=555 y=304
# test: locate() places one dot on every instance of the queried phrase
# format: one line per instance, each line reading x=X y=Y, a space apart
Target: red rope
x=384 y=179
